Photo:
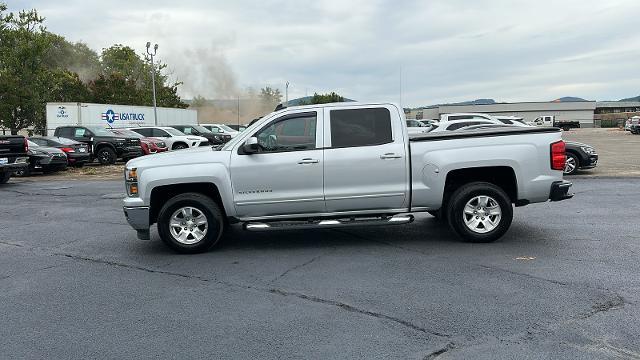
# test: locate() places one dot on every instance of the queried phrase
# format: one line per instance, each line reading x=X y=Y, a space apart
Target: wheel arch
x=161 y=194
x=501 y=176
x=180 y=142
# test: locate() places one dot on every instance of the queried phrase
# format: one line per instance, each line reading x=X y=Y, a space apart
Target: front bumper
x=138 y=218
x=590 y=162
x=560 y=191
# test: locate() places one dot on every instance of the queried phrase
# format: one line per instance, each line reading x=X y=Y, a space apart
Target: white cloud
x=448 y=50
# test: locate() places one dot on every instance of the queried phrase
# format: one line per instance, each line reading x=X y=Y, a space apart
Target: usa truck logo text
x=112 y=116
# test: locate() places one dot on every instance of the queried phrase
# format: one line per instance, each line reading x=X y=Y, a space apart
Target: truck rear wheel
x=479 y=212
x=190 y=223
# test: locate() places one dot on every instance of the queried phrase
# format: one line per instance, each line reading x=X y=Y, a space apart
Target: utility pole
x=153 y=80
x=238 y=110
x=286 y=95
x=401 y=88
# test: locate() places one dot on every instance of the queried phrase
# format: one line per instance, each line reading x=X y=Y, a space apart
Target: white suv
x=174 y=139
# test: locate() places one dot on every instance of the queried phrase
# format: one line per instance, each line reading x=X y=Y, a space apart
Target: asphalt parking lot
x=76 y=283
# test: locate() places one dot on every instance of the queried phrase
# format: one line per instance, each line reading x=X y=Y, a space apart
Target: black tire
x=209 y=209
x=464 y=194
x=25 y=171
x=5 y=176
x=179 y=146
x=566 y=128
x=572 y=157
x=106 y=156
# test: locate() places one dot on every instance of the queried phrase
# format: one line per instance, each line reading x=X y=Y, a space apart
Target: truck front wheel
x=106 y=156
x=190 y=223
x=479 y=212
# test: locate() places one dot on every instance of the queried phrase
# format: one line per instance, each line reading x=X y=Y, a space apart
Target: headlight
x=131 y=181
x=588 y=149
x=161 y=144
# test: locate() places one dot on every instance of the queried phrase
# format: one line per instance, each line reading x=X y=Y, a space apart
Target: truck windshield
x=98 y=131
x=226 y=128
x=201 y=129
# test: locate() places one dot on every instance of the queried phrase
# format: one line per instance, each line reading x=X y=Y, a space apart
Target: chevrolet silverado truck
x=13 y=156
x=344 y=164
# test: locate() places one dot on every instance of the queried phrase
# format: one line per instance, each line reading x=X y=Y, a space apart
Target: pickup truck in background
x=344 y=164
x=550 y=121
x=13 y=156
x=103 y=144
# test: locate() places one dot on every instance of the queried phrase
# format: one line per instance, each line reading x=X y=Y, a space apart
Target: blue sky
x=447 y=51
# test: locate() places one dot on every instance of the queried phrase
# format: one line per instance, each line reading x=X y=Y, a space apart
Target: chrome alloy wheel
x=188 y=225
x=482 y=214
x=570 y=165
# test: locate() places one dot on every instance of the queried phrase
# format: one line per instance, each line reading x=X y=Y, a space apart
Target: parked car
x=238 y=128
x=344 y=164
x=579 y=157
x=633 y=125
x=103 y=145
x=468 y=117
x=511 y=120
x=13 y=156
x=43 y=158
x=175 y=139
x=198 y=130
x=459 y=124
x=221 y=129
x=149 y=145
x=77 y=152
x=417 y=127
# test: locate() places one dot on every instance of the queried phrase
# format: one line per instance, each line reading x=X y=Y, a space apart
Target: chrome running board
x=328 y=223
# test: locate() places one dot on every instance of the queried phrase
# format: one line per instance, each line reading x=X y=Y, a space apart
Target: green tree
x=323 y=99
x=198 y=101
x=270 y=97
x=23 y=78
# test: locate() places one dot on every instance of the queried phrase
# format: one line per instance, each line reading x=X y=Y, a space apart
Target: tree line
x=37 y=66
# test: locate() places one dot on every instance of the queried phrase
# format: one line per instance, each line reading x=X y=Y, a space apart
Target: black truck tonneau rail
x=511 y=130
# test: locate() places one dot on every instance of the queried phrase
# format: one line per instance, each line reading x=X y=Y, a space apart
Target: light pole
x=153 y=80
x=286 y=95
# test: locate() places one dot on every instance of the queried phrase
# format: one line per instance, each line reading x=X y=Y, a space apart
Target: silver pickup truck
x=343 y=164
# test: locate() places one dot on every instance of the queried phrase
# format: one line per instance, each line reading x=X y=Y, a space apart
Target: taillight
x=26 y=145
x=67 y=149
x=558 y=155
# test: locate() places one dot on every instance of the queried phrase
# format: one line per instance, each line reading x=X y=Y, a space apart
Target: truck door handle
x=308 y=161
x=390 y=156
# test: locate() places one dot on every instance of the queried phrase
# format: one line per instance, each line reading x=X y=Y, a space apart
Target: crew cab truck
x=13 y=156
x=104 y=145
x=344 y=164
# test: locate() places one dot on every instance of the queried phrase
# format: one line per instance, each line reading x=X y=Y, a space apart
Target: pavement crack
x=11 y=244
x=134 y=267
x=522 y=274
x=435 y=354
x=296 y=267
x=354 y=309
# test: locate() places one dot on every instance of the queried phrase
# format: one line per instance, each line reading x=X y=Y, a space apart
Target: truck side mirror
x=251 y=145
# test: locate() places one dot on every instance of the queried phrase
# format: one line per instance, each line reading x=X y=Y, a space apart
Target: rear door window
x=360 y=127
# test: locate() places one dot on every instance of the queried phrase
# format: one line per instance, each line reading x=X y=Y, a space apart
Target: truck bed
x=446 y=135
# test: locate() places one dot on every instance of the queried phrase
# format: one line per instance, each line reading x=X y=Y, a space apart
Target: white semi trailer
x=115 y=116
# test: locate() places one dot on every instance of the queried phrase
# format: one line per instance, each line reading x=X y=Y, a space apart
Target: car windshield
x=32 y=144
x=226 y=128
x=173 y=132
x=201 y=129
x=125 y=132
x=98 y=131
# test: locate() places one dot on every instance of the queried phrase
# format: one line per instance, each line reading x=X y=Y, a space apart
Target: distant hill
x=637 y=98
x=569 y=99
